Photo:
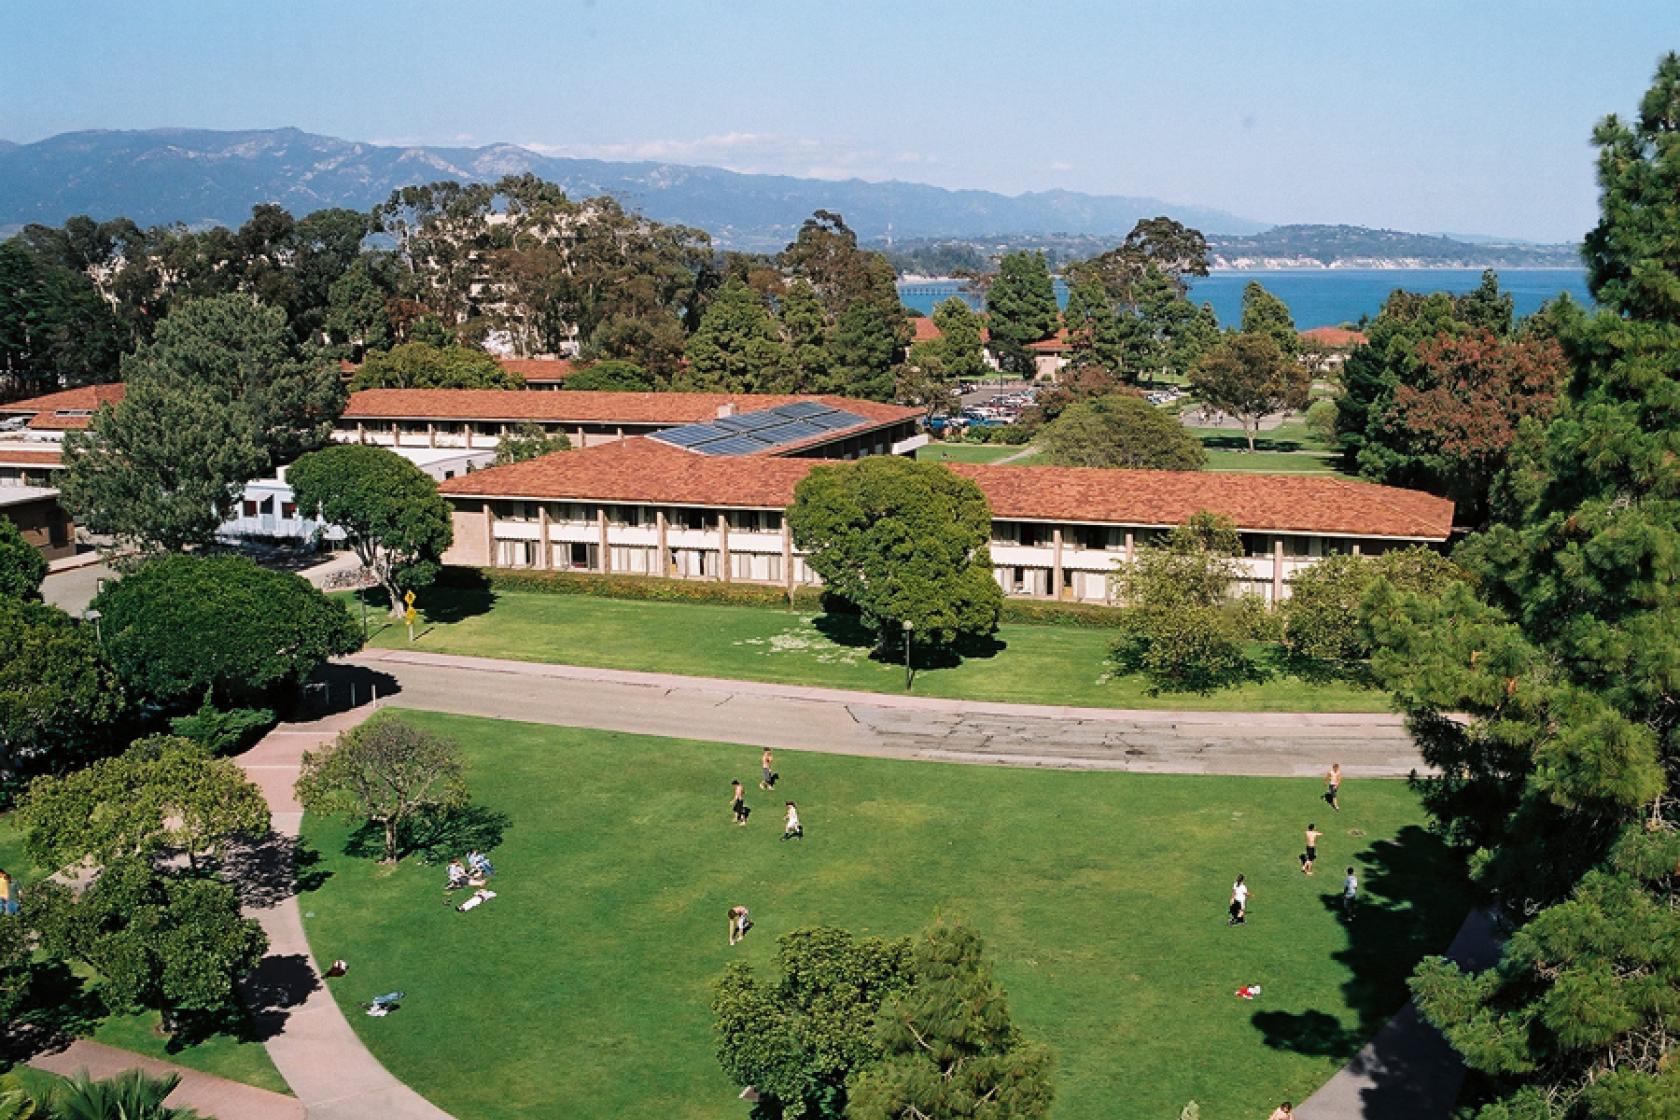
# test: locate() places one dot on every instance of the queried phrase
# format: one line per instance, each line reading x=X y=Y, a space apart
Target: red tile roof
x=12 y=455
x=540 y=369
x=643 y=470
x=634 y=409
x=69 y=408
x=1335 y=338
x=925 y=329
x=1283 y=503
x=1051 y=345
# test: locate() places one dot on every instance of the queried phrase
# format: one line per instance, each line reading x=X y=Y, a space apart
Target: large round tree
x=905 y=542
x=389 y=509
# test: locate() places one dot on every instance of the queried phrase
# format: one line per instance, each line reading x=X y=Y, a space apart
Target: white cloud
x=1061 y=165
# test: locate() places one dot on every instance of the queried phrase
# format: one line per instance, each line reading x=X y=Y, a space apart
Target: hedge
x=654 y=589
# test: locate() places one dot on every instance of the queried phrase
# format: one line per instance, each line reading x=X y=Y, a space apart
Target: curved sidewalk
x=325 y=1064
x=1267 y=744
x=207 y=1094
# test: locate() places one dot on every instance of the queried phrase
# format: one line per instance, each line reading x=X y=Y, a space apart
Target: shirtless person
x=738 y=801
x=1284 y=1111
x=767 y=767
x=1333 y=786
x=1312 y=849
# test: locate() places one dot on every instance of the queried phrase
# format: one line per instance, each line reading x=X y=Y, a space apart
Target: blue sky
x=1465 y=116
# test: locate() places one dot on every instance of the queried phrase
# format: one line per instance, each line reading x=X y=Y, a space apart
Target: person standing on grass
x=1350 y=891
x=738 y=801
x=1284 y=1111
x=766 y=765
x=1239 y=903
x=1333 y=787
x=793 y=830
x=738 y=923
x=8 y=903
x=1312 y=849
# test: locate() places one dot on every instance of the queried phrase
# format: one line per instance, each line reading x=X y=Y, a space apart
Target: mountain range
x=199 y=177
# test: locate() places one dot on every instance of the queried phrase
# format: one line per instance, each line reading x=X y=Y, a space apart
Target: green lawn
x=1273 y=462
x=964 y=452
x=582 y=990
x=1028 y=664
x=223 y=1055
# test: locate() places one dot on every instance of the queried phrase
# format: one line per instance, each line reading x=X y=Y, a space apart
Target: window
x=1097 y=537
x=1032 y=535
x=447 y=475
x=288 y=510
x=250 y=508
x=694 y=518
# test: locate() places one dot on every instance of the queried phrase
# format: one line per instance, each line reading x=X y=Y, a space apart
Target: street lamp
x=93 y=616
x=908 y=627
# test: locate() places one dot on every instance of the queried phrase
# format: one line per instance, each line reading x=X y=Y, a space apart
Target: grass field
x=1026 y=664
x=583 y=989
x=223 y=1055
x=964 y=452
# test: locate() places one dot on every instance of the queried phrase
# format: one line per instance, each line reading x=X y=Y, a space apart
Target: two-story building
x=643 y=506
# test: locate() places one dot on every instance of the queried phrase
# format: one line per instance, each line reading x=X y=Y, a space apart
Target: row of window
x=633 y=517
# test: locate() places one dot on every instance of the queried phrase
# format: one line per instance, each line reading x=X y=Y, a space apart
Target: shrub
x=1324 y=615
x=1184 y=648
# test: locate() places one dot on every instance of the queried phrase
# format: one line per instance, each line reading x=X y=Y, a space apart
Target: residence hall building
x=647 y=506
x=838 y=428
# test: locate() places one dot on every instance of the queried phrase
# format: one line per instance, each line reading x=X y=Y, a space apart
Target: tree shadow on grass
x=1279 y=660
x=435 y=837
x=60 y=1008
x=1412 y=898
x=1236 y=441
x=848 y=630
x=460 y=594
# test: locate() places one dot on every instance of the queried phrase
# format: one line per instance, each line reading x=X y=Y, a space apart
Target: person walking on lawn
x=1311 y=853
x=767 y=767
x=1333 y=787
x=1239 y=903
x=794 y=830
x=738 y=801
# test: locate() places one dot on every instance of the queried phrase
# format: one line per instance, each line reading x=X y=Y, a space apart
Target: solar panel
x=734 y=445
x=688 y=435
x=761 y=430
x=802 y=408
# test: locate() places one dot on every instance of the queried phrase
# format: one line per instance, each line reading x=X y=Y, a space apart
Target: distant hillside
x=201 y=177
x=1294 y=246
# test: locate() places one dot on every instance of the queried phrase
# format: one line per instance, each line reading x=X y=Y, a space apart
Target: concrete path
x=314 y=1048
x=1026 y=452
x=1407 y=1072
x=212 y=1096
x=834 y=721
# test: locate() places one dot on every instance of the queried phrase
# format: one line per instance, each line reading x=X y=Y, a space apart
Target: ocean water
x=1326 y=297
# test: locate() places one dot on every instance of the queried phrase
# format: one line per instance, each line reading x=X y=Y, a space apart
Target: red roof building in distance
x=66 y=410
x=1334 y=338
x=540 y=373
x=479 y=417
x=643 y=507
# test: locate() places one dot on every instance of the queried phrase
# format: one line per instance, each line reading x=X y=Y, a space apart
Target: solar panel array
x=764 y=430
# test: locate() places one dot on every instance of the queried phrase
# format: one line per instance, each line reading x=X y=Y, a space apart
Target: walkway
x=1407 y=1072
x=1026 y=452
x=1269 y=744
x=323 y=1061
x=211 y=1096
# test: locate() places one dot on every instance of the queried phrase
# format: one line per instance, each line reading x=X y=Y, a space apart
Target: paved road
x=880 y=725
x=73 y=590
x=1407 y=1072
x=315 y=1050
x=210 y=1095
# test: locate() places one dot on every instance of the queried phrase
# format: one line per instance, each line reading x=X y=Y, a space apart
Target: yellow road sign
x=410 y=615
x=408 y=597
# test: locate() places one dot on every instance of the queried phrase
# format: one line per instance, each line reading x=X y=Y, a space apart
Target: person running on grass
x=793 y=830
x=1239 y=903
x=1333 y=787
x=738 y=801
x=767 y=766
x=738 y=923
x=1312 y=849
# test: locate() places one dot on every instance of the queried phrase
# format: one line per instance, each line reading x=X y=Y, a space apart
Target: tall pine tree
x=1563 y=780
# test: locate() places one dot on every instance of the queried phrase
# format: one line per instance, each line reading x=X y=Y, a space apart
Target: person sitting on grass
x=480 y=865
x=457 y=876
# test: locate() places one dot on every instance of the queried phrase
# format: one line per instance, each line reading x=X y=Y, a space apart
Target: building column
x=1356 y=548
x=662 y=549
x=1131 y=547
x=621 y=435
x=787 y=557
x=1056 y=562
x=361 y=432
x=601 y=527
x=503 y=431
x=723 y=546
x=396 y=440
x=431 y=434
x=545 y=559
x=579 y=444
x=1277 y=571
x=489 y=536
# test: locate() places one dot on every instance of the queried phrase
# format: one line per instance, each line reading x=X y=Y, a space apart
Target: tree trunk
x=390 y=840
x=1250 y=427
